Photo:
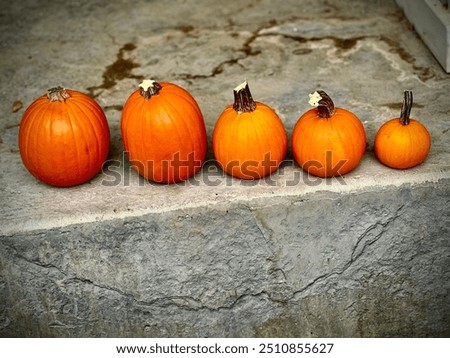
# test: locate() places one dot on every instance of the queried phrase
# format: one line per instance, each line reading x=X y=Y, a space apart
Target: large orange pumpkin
x=328 y=141
x=64 y=138
x=249 y=139
x=402 y=143
x=163 y=132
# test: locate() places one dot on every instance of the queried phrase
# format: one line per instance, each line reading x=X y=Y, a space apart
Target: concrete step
x=366 y=254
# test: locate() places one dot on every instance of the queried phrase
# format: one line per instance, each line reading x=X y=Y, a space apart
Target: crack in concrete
x=183 y=302
x=122 y=68
x=194 y=304
x=354 y=256
x=246 y=49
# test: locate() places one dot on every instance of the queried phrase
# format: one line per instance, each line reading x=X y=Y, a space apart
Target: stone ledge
x=107 y=197
x=369 y=264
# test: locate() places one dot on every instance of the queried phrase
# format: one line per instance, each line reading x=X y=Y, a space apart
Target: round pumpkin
x=163 y=132
x=402 y=142
x=64 y=138
x=249 y=140
x=328 y=141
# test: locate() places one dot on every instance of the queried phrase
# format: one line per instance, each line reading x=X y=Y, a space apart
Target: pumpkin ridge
x=56 y=158
x=143 y=124
x=200 y=133
x=233 y=140
x=187 y=98
x=253 y=135
x=272 y=119
x=46 y=133
x=343 y=152
x=218 y=133
x=327 y=141
x=94 y=110
x=175 y=125
x=94 y=115
x=74 y=111
x=261 y=134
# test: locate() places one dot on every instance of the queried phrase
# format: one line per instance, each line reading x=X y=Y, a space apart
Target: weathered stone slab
x=368 y=264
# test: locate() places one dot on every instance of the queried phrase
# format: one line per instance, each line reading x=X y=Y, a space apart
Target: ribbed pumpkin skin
x=64 y=143
x=165 y=135
x=328 y=147
x=402 y=146
x=249 y=145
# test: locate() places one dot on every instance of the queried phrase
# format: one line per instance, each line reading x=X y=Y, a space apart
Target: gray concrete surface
x=363 y=255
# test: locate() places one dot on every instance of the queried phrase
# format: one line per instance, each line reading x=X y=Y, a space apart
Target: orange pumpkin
x=402 y=143
x=64 y=138
x=249 y=139
x=163 y=132
x=328 y=141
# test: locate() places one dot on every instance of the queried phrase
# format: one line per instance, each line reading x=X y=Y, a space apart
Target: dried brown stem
x=406 y=108
x=57 y=94
x=243 y=100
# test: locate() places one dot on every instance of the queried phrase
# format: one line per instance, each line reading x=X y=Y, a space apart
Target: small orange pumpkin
x=328 y=141
x=64 y=138
x=249 y=139
x=402 y=143
x=163 y=132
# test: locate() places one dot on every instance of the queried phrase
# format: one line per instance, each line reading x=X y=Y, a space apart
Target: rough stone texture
x=290 y=255
x=367 y=264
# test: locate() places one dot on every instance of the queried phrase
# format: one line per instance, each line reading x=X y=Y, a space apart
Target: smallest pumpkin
x=402 y=143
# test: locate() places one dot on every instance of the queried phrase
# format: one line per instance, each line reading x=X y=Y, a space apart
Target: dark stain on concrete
x=398 y=105
x=345 y=44
x=301 y=51
x=120 y=69
x=114 y=107
x=186 y=28
x=340 y=43
x=424 y=73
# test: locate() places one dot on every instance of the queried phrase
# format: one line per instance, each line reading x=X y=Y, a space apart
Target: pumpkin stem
x=243 y=100
x=324 y=104
x=406 y=108
x=57 y=94
x=149 y=88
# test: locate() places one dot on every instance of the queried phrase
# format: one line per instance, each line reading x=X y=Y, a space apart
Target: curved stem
x=406 y=108
x=243 y=100
x=57 y=94
x=149 y=88
x=326 y=106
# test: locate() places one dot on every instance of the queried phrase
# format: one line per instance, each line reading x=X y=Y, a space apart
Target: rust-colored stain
x=424 y=73
x=119 y=70
x=345 y=44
